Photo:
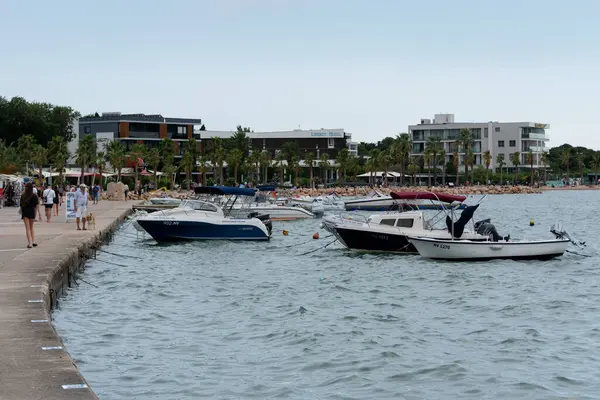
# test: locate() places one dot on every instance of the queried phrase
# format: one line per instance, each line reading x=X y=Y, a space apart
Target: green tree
x=40 y=157
x=565 y=160
x=595 y=164
x=98 y=161
x=515 y=159
x=186 y=164
x=466 y=141
x=456 y=163
x=501 y=163
x=530 y=162
x=153 y=157
x=240 y=140
x=295 y=166
x=137 y=153
x=26 y=147
x=324 y=165
x=266 y=160
x=254 y=161
x=86 y=151
x=58 y=155
x=401 y=152
x=433 y=145
x=217 y=155
x=487 y=159
x=342 y=160
x=545 y=160
x=9 y=159
x=353 y=166
x=234 y=158
x=309 y=160
x=280 y=159
x=442 y=155
x=115 y=153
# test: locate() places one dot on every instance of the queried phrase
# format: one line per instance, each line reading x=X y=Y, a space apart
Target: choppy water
x=256 y=320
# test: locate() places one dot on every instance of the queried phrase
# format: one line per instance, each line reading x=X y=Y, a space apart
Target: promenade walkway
x=33 y=362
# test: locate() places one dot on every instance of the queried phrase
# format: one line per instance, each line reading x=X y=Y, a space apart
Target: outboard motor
x=265 y=219
x=486 y=228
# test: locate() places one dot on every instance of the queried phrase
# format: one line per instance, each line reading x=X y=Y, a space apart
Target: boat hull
x=464 y=250
x=361 y=240
x=170 y=231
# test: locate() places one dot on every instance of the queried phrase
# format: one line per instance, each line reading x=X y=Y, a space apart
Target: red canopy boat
x=443 y=197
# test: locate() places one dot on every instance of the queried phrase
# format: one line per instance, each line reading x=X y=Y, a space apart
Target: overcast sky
x=371 y=67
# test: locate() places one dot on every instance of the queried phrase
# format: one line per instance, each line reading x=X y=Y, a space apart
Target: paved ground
x=33 y=365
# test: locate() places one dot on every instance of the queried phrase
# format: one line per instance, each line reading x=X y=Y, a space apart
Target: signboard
x=541 y=126
x=326 y=134
x=102 y=139
x=70 y=206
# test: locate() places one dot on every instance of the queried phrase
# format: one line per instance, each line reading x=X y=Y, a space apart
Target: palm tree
x=530 y=162
x=169 y=170
x=85 y=153
x=401 y=152
x=501 y=163
x=580 y=164
x=309 y=159
x=412 y=164
x=239 y=140
x=545 y=159
x=384 y=160
x=487 y=158
x=456 y=163
x=442 y=155
x=187 y=165
x=266 y=160
x=342 y=160
x=428 y=157
x=25 y=147
x=280 y=159
x=434 y=144
x=254 y=164
x=596 y=164
x=154 y=158
x=137 y=154
x=353 y=166
x=59 y=155
x=203 y=168
x=295 y=166
x=234 y=159
x=39 y=158
x=515 y=159
x=372 y=164
x=115 y=153
x=466 y=140
x=98 y=161
x=324 y=165
x=167 y=153
x=565 y=159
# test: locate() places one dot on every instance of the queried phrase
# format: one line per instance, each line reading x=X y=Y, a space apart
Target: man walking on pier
x=81 y=199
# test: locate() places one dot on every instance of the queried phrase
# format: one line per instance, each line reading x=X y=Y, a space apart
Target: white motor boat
x=320 y=204
x=389 y=232
x=468 y=250
x=204 y=220
x=278 y=210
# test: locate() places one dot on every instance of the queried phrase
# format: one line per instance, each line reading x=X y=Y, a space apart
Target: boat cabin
x=406 y=220
x=200 y=205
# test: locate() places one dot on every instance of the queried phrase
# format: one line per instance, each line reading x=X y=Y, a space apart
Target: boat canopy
x=224 y=190
x=443 y=197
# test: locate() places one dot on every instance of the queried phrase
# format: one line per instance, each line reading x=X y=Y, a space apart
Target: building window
x=512 y=143
x=330 y=143
x=182 y=130
x=497 y=129
x=87 y=129
x=485 y=132
x=500 y=143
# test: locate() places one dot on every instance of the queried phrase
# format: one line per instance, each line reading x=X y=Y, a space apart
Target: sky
x=371 y=67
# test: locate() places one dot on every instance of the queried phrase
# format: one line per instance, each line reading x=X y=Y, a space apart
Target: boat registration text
x=442 y=246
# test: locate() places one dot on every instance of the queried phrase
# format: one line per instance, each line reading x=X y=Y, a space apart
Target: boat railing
x=350 y=216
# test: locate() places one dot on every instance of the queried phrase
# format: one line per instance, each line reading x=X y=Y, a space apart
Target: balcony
x=537 y=149
x=535 y=136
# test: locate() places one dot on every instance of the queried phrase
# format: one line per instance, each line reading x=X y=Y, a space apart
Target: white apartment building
x=497 y=137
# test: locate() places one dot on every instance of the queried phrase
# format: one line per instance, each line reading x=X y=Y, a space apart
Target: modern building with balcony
x=136 y=128
x=315 y=141
x=498 y=137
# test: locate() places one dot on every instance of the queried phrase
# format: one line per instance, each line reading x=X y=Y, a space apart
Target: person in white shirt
x=48 y=196
x=81 y=199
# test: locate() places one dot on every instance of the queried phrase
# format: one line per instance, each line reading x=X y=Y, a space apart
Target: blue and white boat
x=205 y=220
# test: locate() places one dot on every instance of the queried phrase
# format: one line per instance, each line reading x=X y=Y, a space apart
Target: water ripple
x=256 y=321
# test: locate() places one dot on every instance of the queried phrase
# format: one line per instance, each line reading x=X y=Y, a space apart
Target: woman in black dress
x=29 y=208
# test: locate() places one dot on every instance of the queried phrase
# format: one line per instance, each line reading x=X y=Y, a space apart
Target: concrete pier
x=34 y=363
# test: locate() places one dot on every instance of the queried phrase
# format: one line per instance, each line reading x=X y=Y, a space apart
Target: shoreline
x=35 y=363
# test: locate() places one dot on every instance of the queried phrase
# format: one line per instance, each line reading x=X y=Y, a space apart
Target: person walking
x=56 y=200
x=29 y=209
x=96 y=193
x=48 y=196
x=81 y=199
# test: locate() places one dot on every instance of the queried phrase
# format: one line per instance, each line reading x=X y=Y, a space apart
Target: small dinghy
x=468 y=250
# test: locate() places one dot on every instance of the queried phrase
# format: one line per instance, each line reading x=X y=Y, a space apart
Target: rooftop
x=118 y=117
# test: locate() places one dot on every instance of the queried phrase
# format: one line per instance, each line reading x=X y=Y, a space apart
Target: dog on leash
x=91 y=221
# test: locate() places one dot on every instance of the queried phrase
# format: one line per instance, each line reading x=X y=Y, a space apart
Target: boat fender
x=316 y=235
x=285 y=233
x=531 y=222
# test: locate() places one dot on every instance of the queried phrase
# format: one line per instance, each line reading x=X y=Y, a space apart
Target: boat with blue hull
x=205 y=220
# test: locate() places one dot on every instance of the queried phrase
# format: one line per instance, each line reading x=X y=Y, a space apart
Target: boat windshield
x=199 y=205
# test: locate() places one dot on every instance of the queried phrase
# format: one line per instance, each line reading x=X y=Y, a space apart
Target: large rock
x=115 y=191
